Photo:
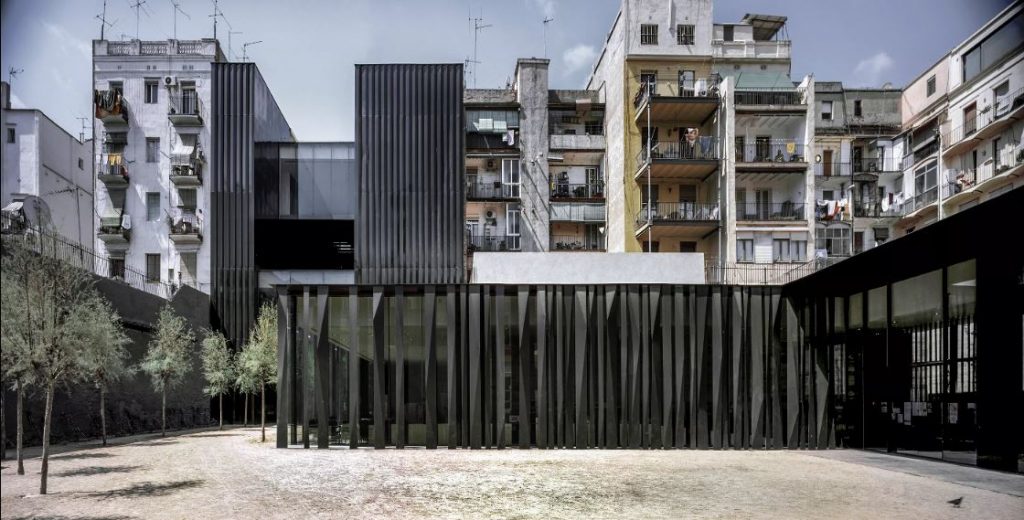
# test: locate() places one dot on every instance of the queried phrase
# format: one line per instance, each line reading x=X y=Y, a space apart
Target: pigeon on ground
x=956 y=501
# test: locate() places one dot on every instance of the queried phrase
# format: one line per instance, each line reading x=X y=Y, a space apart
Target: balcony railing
x=491 y=191
x=186 y=169
x=492 y=243
x=669 y=212
x=987 y=115
x=114 y=229
x=566 y=191
x=882 y=164
x=834 y=169
x=875 y=208
x=577 y=212
x=185 y=107
x=672 y=86
x=705 y=148
x=770 y=96
x=775 y=211
x=916 y=156
x=575 y=243
x=590 y=141
x=113 y=170
x=750 y=49
x=774 y=151
x=185 y=224
x=919 y=201
x=111 y=107
x=155 y=48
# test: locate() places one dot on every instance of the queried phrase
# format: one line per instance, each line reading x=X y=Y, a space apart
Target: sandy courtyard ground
x=228 y=474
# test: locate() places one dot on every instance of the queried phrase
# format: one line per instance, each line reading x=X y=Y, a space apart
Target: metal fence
x=777 y=151
x=491 y=190
x=592 y=190
x=770 y=211
x=185 y=103
x=677 y=212
x=769 y=96
x=704 y=148
x=740 y=273
x=834 y=169
x=575 y=243
x=492 y=243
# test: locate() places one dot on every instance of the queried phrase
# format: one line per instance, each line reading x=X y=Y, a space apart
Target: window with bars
x=648 y=34
x=152 y=267
x=152 y=149
x=685 y=34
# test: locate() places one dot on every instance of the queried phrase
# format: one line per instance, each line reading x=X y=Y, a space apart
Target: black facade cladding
x=410 y=142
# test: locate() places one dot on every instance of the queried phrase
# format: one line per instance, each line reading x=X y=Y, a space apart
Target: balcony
x=771 y=99
x=110 y=107
x=771 y=156
x=877 y=165
x=686 y=160
x=673 y=101
x=919 y=202
x=207 y=47
x=920 y=154
x=967 y=183
x=186 y=170
x=185 y=109
x=677 y=220
x=113 y=171
x=751 y=49
x=485 y=191
x=577 y=212
x=771 y=212
x=988 y=122
x=115 y=231
x=492 y=243
x=833 y=169
x=563 y=243
x=580 y=142
x=577 y=192
x=875 y=208
x=186 y=227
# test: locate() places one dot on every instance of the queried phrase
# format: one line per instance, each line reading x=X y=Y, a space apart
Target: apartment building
x=535 y=163
x=962 y=125
x=152 y=127
x=856 y=170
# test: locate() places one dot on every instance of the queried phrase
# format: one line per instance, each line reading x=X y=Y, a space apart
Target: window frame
x=651 y=35
x=929 y=86
x=151 y=269
x=686 y=34
x=153 y=210
x=147 y=84
x=829 y=112
x=152 y=150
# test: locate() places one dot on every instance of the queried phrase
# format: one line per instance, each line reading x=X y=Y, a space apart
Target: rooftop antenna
x=466 y=64
x=229 y=43
x=102 y=17
x=245 y=49
x=11 y=74
x=217 y=13
x=546 y=22
x=81 y=135
x=178 y=9
x=138 y=8
x=477 y=27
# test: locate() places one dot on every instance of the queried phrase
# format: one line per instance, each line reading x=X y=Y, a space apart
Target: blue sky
x=308 y=47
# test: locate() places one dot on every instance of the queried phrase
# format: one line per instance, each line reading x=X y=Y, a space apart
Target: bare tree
x=105 y=360
x=259 y=359
x=167 y=360
x=218 y=369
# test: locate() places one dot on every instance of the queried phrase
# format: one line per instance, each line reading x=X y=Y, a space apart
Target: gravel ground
x=229 y=474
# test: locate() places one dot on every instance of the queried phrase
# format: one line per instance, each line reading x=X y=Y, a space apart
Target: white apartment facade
x=152 y=128
x=42 y=161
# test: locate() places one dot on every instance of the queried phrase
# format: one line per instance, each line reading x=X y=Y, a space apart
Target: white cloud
x=579 y=57
x=869 y=70
x=547 y=7
x=66 y=40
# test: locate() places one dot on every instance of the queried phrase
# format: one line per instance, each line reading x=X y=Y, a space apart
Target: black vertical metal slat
x=601 y=337
x=635 y=322
x=487 y=377
x=679 y=367
x=283 y=411
x=667 y=364
x=307 y=365
x=793 y=400
x=646 y=333
x=430 y=363
x=475 y=385
x=580 y=365
x=379 y=378
x=500 y=315
x=354 y=360
x=542 y=367
x=614 y=347
x=756 y=318
x=736 y=357
x=322 y=370
x=524 y=372
x=452 y=343
x=717 y=370
x=701 y=374
x=400 y=424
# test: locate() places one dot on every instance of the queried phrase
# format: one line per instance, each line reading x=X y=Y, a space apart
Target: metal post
x=650 y=237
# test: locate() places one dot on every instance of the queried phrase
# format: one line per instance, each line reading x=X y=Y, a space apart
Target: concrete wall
x=576 y=268
x=667 y=14
x=531 y=81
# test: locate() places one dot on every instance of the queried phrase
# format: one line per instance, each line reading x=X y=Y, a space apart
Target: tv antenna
x=217 y=13
x=138 y=8
x=546 y=22
x=467 y=63
x=81 y=135
x=178 y=9
x=11 y=74
x=245 y=49
x=229 y=43
x=477 y=27
x=102 y=17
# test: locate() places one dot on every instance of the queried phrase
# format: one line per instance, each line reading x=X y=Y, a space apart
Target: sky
x=308 y=47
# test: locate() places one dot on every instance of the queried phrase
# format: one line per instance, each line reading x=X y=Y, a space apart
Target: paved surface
x=230 y=474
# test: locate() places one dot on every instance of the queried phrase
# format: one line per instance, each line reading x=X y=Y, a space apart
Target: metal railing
x=919 y=201
x=568 y=191
x=668 y=212
x=672 y=86
x=491 y=190
x=185 y=103
x=985 y=116
x=575 y=243
x=49 y=243
x=775 y=211
x=835 y=169
x=770 y=96
x=112 y=168
x=877 y=164
x=874 y=208
x=577 y=212
x=185 y=222
x=774 y=151
x=492 y=243
x=750 y=49
x=913 y=157
x=705 y=148
x=744 y=273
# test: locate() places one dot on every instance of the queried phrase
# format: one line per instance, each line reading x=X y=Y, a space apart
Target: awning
x=186 y=146
x=13 y=207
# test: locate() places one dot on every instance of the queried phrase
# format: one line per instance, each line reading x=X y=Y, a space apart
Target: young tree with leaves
x=245 y=380
x=218 y=369
x=54 y=313
x=259 y=358
x=15 y=355
x=105 y=359
x=169 y=358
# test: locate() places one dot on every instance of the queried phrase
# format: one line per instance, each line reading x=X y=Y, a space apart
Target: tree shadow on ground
x=96 y=470
x=58 y=517
x=214 y=435
x=84 y=455
x=153 y=442
x=147 y=489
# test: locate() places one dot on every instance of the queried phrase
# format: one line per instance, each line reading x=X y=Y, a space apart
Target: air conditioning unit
x=489 y=214
x=170 y=81
x=490 y=164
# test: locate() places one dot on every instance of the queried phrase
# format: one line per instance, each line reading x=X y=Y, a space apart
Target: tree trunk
x=44 y=469
x=163 y=412
x=220 y=407
x=3 y=425
x=263 y=413
x=21 y=428
x=245 y=411
x=103 y=415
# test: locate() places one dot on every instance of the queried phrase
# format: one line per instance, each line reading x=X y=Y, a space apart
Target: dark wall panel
x=410 y=140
